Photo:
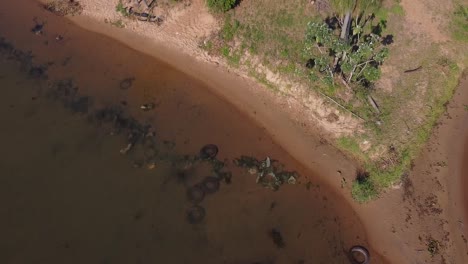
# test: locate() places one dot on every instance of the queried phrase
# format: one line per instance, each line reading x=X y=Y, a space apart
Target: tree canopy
x=356 y=53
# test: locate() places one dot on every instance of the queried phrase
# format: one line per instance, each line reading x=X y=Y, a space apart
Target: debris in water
x=126 y=83
x=269 y=172
x=210 y=184
x=151 y=165
x=196 y=214
x=277 y=238
x=196 y=194
x=126 y=149
x=37 y=29
x=147 y=107
x=209 y=151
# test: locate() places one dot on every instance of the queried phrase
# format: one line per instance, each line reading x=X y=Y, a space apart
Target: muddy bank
x=73 y=197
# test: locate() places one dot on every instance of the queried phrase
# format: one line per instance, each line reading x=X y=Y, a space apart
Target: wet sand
x=69 y=196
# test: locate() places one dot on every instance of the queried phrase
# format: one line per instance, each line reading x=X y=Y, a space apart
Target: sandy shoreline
x=187 y=111
x=300 y=139
x=303 y=143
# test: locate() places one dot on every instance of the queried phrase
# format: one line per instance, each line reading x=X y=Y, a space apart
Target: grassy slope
x=271 y=33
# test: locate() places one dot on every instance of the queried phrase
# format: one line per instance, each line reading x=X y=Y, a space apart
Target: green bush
x=221 y=5
x=363 y=190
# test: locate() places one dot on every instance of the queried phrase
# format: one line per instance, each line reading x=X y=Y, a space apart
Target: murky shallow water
x=68 y=196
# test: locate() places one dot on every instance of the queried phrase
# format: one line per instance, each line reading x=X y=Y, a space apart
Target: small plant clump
x=363 y=189
x=64 y=7
x=433 y=246
x=117 y=23
x=120 y=8
x=221 y=5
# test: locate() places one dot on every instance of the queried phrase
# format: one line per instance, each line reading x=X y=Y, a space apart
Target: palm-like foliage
x=356 y=59
x=347 y=9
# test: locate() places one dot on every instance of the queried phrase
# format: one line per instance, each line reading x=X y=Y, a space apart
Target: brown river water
x=67 y=194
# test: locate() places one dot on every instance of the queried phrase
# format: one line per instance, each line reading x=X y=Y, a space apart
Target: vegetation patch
x=120 y=8
x=221 y=5
x=361 y=56
x=460 y=23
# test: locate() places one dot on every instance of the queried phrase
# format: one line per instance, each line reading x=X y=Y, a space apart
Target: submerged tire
x=210 y=184
x=196 y=214
x=126 y=83
x=359 y=255
x=209 y=151
x=196 y=194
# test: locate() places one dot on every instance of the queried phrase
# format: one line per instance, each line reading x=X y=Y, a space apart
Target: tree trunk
x=345 y=28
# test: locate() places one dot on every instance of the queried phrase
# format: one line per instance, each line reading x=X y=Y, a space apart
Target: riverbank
x=389 y=234
x=328 y=164
x=176 y=44
x=142 y=209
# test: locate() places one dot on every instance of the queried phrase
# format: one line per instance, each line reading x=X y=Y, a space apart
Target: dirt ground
x=428 y=204
x=424 y=210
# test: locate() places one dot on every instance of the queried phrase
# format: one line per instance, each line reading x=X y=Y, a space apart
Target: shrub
x=220 y=5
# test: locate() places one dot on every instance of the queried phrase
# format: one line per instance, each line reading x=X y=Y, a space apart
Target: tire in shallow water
x=196 y=194
x=196 y=214
x=359 y=255
x=209 y=151
x=126 y=83
x=210 y=184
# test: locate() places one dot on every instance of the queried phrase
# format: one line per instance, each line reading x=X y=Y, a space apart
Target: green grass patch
x=363 y=190
x=459 y=24
x=220 y=5
x=397 y=9
x=229 y=29
x=351 y=146
x=380 y=178
x=120 y=8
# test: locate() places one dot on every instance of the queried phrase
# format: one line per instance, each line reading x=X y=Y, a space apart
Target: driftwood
x=373 y=103
x=341 y=106
x=413 y=70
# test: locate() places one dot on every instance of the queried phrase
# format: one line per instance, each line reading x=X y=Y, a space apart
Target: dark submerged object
x=227 y=176
x=196 y=214
x=359 y=255
x=209 y=151
x=196 y=194
x=126 y=83
x=210 y=184
x=37 y=29
x=38 y=72
x=277 y=238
